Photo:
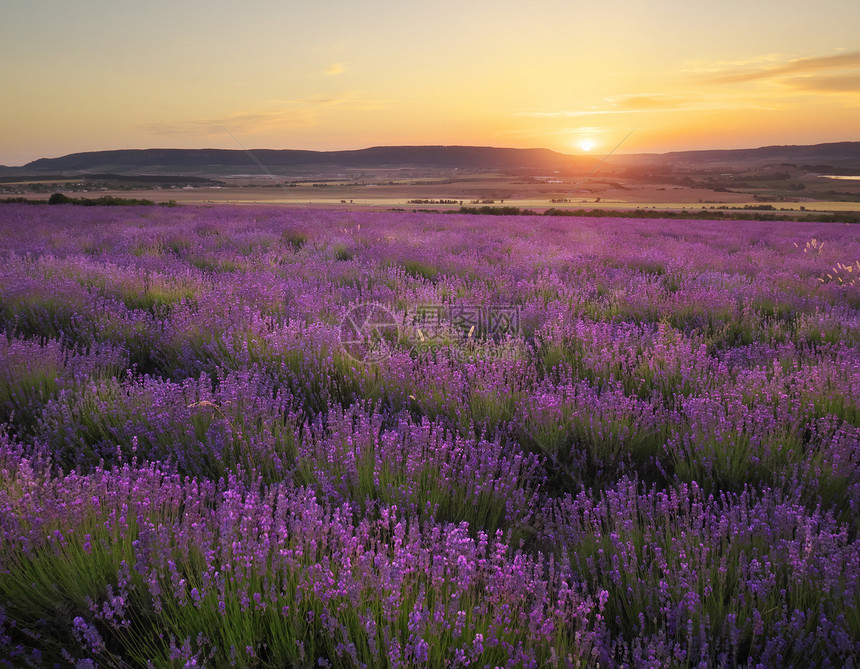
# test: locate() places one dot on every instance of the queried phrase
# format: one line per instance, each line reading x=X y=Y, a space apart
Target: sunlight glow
x=352 y=79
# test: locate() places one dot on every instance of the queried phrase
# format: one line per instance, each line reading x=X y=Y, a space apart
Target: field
x=269 y=437
x=625 y=184
x=381 y=193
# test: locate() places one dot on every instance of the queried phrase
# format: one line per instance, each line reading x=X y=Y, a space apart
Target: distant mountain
x=844 y=155
x=217 y=160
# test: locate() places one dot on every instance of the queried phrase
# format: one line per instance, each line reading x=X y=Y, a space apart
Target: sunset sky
x=570 y=76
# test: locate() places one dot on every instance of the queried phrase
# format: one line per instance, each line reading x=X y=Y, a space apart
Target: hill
x=217 y=160
x=842 y=154
x=830 y=158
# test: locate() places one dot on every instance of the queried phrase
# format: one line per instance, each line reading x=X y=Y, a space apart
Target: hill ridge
x=161 y=160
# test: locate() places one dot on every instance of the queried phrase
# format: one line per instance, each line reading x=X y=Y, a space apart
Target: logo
x=369 y=332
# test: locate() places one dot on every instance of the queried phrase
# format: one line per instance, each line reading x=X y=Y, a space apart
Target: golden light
x=586 y=144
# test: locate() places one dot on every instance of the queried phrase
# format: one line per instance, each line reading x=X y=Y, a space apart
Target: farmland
x=268 y=437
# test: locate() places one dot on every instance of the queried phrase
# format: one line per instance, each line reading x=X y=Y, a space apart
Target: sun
x=586 y=145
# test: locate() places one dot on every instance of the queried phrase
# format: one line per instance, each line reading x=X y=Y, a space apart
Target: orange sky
x=95 y=75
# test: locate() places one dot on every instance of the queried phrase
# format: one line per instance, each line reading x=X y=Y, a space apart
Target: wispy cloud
x=625 y=104
x=582 y=130
x=295 y=113
x=644 y=102
x=244 y=122
x=335 y=69
x=322 y=100
x=796 y=66
x=716 y=67
x=838 y=74
x=571 y=113
x=848 y=83
x=350 y=101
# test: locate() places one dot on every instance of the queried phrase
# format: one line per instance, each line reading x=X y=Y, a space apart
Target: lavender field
x=280 y=438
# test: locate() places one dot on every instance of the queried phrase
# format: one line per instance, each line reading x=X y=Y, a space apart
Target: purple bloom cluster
x=659 y=467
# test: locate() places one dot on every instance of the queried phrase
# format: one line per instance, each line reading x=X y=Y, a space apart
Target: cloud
x=335 y=69
x=318 y=100
x=717 y=67
x=849 y=83
x=244 y=122
x=583 y=130
x=624 y=104
x=652 y=101
x=838 y=73
x=351 y=101
x=298 y=113
x=570 y=113
x=793 y=67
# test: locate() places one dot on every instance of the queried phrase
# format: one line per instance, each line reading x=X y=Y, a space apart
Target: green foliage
x=293 y=239
x=104 y=201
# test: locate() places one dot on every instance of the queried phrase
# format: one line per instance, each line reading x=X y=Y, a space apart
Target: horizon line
x=445 y=146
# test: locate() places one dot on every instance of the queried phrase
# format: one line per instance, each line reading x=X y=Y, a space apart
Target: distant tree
x=59 y=198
